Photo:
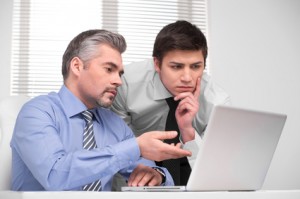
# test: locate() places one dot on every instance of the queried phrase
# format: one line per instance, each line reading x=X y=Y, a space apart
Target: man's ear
x=76 y=65
x=156 y=64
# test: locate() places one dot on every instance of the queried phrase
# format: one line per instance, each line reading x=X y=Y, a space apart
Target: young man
x=176 y=72
x=70 y=141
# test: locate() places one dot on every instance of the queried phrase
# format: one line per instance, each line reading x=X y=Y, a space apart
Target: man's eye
x=196 y=66
x=109 y=69
x=176 y=66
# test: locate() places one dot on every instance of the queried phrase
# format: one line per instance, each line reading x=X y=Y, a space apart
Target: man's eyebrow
x=112 y=64
x=198 y=62
x=174 y=62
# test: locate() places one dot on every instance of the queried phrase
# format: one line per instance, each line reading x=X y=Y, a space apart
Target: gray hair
x=85 y=46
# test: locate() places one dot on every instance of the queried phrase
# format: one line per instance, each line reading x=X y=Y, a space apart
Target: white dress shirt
x=141 y=101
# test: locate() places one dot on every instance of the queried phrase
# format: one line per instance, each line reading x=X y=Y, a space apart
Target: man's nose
x=117 y=80
x=186 y=75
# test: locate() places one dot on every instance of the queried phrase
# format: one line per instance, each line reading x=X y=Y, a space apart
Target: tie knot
x=172 y=103
x=87 y=115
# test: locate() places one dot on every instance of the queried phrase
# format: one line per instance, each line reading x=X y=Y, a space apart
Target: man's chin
x=105 y=104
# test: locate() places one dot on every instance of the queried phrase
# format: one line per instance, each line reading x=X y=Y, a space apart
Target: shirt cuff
x=127 y=152
x=192 y=146
x=168 y=180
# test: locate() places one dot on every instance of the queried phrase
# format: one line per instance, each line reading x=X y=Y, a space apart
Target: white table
x=263 y=194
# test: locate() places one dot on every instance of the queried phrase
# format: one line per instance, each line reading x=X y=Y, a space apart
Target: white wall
x=5 y=47
x=255 y=55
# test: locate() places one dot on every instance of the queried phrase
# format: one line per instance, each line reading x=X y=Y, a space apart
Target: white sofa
x=9 y=109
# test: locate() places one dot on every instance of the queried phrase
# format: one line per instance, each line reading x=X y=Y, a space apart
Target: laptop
x=236 y=152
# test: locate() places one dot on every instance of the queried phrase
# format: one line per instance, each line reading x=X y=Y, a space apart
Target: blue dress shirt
x=47 y=151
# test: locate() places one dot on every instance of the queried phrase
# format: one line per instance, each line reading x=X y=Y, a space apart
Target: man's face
x=98 y=82
x=180 y=70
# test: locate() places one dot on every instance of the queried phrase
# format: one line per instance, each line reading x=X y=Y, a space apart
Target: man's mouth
x=113 y=92
x=185 y=88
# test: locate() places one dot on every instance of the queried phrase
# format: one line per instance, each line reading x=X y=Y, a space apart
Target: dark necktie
x=88 y=144
x=178 y=168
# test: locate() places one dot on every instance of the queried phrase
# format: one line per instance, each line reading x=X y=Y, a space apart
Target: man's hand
x=152 y=146
x=186 y=112
x=144 y=176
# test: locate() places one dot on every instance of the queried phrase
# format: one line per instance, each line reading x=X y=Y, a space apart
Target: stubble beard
x=102 y=103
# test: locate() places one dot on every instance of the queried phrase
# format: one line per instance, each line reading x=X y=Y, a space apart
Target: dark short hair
x=180 y=35
x=85 y=46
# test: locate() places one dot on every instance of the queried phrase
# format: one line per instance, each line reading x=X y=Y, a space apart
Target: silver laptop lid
x=238 y=146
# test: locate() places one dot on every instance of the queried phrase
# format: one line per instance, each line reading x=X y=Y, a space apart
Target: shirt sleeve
x=37 y=141
x=168 y=181
x=192 y=146
x=168 y=178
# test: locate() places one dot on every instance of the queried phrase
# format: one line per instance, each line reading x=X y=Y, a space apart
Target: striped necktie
x=88 y=144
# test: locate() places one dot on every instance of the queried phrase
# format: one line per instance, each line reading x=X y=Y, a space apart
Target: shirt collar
x=159 y=90
x=72 y=105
